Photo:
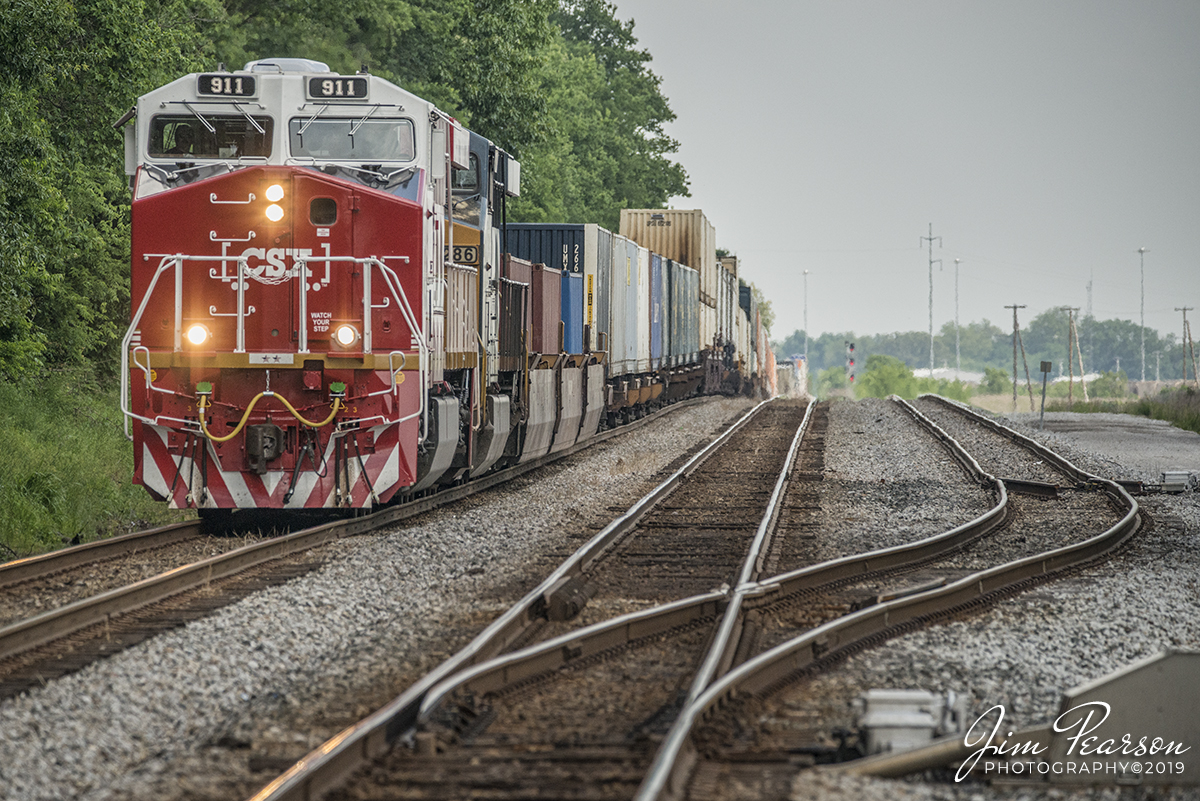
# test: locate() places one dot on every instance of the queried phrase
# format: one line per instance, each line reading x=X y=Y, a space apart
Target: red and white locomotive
x=323 y=314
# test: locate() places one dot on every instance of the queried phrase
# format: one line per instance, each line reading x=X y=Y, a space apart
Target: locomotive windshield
x=187 y=137
x=361 y=139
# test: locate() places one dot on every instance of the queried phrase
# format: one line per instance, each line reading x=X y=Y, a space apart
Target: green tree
x=995 y=381
x=67 y=71
x=886 y=375
x=831 y=379
x=1109 y=385
x=764 y=309
x=604 y=146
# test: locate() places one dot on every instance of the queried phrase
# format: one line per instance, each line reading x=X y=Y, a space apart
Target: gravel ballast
x=191 y=713
x=888 y=482
x=214 y=709
x=1027 y=650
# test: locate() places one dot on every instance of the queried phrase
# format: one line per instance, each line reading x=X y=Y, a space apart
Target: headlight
x=274 y=193
x=198 y=334
x=345 y=335
x=274 y=213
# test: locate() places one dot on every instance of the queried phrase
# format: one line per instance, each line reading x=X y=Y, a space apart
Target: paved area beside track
x=1143 y=447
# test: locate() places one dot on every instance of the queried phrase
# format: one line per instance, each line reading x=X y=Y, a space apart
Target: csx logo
x=270 y=263
x=274 y=265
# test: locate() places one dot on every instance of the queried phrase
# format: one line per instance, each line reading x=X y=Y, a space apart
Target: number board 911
x=333 y=88
x=227 y=85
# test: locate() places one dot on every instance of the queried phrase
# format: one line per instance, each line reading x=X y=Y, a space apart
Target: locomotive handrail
x=127 y=340
x=212 y=198
x=397 y=292
x=392 y=370
x=395 y=288
x=148 y=372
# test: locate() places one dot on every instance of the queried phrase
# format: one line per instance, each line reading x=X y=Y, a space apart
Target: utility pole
x=1187 y=342
x=806 y=319
x=957 y=355
x=1142 y=259
x=1079 y=353
x=1091 y=280
x=1091 y=352
x=1014 y=307
x=1071 y=355
x=931 y=237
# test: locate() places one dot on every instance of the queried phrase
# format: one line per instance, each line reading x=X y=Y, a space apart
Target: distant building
x=949 y=374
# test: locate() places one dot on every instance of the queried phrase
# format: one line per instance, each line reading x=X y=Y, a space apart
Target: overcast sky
x=1045 y=141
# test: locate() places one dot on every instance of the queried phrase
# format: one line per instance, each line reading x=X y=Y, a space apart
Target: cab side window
x=468 y=202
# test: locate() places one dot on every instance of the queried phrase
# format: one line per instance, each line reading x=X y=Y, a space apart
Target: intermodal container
x=684 y=292
x=513 y=326
x=572 y=312
x=641 y=327
x=585 y=250
x=658 y=284
x=683 y=235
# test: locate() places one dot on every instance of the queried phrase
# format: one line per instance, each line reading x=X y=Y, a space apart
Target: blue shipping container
x=572 y=312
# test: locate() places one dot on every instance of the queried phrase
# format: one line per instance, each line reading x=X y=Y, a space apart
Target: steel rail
x=859 y=566
x=720 y=653
x=1058 y=460
x=671 y=768
x=540 y=658
x=326 y=767
x=420 y=703
x=33 y=567
x=55 y=624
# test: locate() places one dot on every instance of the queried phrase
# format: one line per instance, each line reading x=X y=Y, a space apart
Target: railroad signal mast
x=851 y=360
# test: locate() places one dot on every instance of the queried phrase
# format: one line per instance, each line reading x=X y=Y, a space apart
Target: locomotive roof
x=282 y=86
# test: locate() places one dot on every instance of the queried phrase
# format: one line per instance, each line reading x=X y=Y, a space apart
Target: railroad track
x=73 y=606
x=719 y=731
x=486 y=712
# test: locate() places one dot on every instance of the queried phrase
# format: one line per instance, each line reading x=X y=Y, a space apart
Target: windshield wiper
x=310 y=121
x=367 y=116
x=198 y=116
x=252 y=121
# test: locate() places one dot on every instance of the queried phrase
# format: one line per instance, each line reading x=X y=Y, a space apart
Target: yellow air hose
x=337 y=404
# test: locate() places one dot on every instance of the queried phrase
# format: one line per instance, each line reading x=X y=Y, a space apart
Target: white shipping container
x=742 y=326
x=622 y=304
x=708 y=326
x=643 y=311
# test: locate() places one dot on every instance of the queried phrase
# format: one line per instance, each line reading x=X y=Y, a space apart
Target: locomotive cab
x=286 y=347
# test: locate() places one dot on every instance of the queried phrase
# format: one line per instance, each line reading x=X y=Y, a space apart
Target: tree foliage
x=562 y=85
x=887 y=375
x=67 y=71
x=1107 y=346
x=764 y=309
x=604 y=148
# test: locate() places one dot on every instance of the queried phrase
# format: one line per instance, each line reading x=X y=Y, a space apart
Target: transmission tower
x=930 y=238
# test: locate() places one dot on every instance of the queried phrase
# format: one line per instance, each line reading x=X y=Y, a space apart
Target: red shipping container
x=546 y=302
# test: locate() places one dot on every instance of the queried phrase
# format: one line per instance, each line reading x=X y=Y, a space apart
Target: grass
x=1180 y=407
x=66 y=467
